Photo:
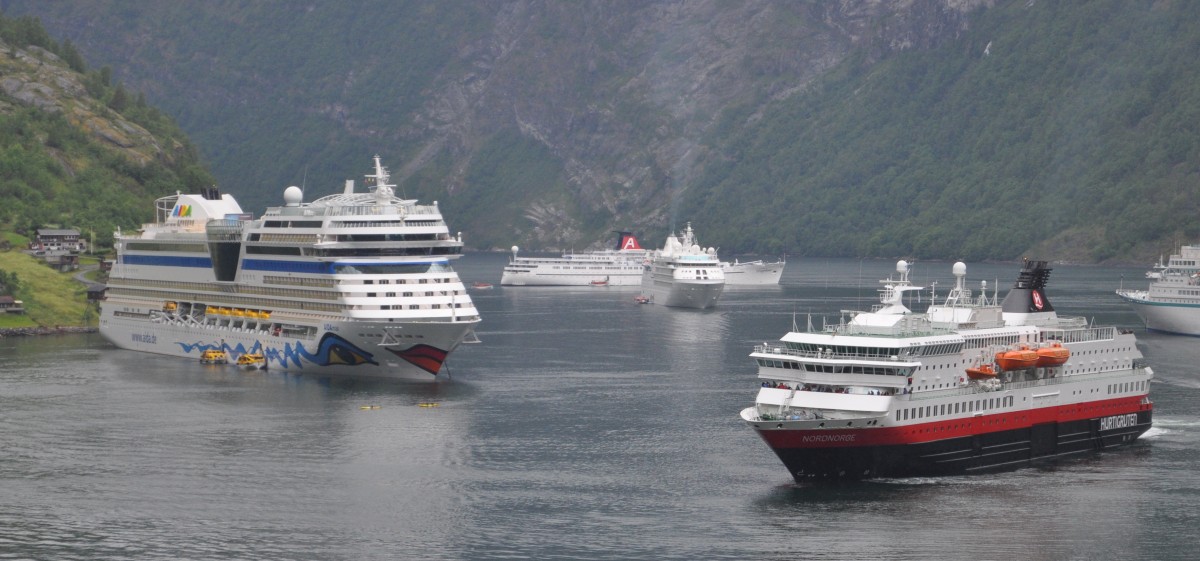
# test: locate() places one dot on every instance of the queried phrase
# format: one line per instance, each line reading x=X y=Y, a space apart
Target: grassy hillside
x=51 y=298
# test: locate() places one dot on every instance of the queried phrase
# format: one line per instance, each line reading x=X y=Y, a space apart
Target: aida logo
x=182 y=211
x=1037 y=300
x=629 y=242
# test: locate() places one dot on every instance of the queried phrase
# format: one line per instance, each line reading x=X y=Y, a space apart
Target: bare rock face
x=630 y=146
x=37 y=78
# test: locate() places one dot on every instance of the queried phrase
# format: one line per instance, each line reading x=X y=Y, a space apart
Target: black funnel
x=1028 y=295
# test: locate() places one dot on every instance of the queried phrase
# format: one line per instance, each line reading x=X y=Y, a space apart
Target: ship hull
x=684 y=294
x=999 y=450
x=1181 y=319
x=335 y=348
x=538 y=278
x=755 y=273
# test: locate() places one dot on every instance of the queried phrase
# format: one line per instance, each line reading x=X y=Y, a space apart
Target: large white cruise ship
x=757 y=272
x=350 y=284
x=1171 y=304
x=683 y=274
x=620 y=266
x=966 y=387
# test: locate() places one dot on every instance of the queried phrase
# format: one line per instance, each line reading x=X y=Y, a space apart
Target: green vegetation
x=85 y=154
x=56 y=170
x=1082 y=120
x=1067 y=130
x=51 y=298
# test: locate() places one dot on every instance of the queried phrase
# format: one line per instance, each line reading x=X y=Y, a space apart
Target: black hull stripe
x=995 y=451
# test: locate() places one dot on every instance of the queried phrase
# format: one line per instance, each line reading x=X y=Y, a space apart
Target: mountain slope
x=925 y=128
x=76 y=149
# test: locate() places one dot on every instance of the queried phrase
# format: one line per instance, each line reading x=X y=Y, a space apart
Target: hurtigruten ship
x=683 y=274
x=968 y=386
x=620 y=266
x=352 y=283
x=1171 y=303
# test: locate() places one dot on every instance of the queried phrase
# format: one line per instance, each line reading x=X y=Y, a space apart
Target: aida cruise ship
x=354 y=283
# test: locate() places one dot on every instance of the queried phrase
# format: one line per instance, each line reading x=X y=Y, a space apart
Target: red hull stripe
x=944 y=429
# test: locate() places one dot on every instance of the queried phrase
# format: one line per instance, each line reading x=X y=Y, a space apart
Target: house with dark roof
x=10 y=306
x=54 y=240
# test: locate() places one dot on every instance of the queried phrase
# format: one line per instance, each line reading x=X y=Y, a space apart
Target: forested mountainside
x=955 y=129
x=77 y=149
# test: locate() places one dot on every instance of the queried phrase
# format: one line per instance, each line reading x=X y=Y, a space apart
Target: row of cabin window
x=953 y=408
x=830 y=369
x=1127 y=387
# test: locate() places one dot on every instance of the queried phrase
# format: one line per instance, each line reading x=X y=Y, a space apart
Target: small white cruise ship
x=1171 y=304
x=683 y=274
x=620 y=266
x=757 y=272
x=968 y=386
x=349 y=284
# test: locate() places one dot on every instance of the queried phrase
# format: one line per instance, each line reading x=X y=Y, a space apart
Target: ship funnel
x=1028 y=293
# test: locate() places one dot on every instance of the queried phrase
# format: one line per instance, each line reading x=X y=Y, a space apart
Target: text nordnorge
x=829 y=438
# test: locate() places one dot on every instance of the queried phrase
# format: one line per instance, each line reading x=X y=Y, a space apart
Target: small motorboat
x=641 y=299
x=214 y=356
x=252 y=361
x=601 y=282
x=1053 y=355
x=481 y=285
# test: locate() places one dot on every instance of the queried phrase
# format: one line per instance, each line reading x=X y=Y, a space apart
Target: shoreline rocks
x=32 y=331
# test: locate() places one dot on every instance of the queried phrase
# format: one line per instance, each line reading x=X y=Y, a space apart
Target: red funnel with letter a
x=627 y=241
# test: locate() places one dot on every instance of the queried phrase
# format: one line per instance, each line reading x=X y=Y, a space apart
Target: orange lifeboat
x=1017 y=359
x=1054 y=355
x=981 y=372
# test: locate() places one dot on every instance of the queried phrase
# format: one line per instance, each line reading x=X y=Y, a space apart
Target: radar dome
x=959 y=269
x=514 y=249
x=293 y=196
x=902 y=266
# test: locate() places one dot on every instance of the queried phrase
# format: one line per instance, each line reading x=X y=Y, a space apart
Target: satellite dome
x=959 y=269
x=292 y=196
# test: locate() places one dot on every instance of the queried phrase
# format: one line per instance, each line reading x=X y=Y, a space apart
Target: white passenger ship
x=621 y=266
x=966 y=387
x=1171 y=304
x=683 y=274
x=352 y=283
x=757 y=272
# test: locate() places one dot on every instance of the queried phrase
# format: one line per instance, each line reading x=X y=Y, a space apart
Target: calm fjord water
x=584 y=427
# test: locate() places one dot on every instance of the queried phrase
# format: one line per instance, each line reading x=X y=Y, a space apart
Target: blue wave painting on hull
x=332 y=349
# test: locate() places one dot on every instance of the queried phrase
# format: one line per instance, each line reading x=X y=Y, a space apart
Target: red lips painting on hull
x=425 y=357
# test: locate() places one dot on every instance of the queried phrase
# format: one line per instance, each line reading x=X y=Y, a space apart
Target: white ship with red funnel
x=966 y=387
x=620 y=266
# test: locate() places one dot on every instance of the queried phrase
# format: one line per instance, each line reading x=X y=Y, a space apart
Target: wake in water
x=1167 y=427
